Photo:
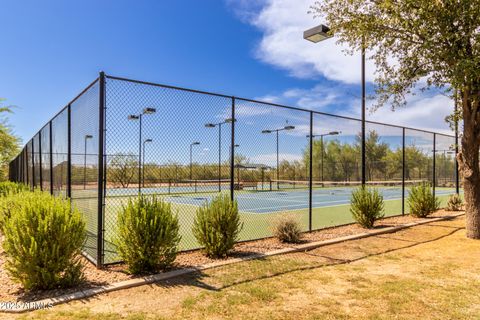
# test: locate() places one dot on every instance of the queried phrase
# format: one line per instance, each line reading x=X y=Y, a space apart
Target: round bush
x=366 y=206
x=148 y=235
x=287 y=229
x=42 y=241
x=421 y=200
x=217 y=225
x=454 y=203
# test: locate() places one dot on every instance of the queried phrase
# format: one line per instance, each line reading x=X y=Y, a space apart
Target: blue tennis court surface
x=286 y=200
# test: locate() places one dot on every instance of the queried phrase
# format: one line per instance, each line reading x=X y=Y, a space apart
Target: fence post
x=27 y=167
x=364 y=157
x=310 y=178
x=232 y=153
x=51 y=156
x=33 y=162
x=457 y=182
x=69 y=152
x=101 y=139
x=40 y=159
x=434 y=165
x=403 y=171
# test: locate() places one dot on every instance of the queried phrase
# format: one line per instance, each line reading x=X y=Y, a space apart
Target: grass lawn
x=426 y=272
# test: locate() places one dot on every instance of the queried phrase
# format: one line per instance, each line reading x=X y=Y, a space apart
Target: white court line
x=337 y=205
x=302 y=206
x=274 y=199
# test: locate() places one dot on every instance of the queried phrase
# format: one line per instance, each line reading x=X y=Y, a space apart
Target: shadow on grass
x=258 y=266
x=220 y=278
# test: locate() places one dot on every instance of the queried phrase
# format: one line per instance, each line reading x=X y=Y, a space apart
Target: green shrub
x=421 y=200
x=366 y=206
x=287 y=229
x=8 y=203
x=217 y=225
x=454 y=203
x=148 y=235
x=42 y=241
x=8 y=187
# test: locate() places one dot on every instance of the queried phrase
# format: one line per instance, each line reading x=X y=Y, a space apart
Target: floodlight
x=149 y=110
x=317 y=34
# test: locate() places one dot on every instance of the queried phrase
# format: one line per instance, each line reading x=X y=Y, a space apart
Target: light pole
x=143 y=161
x=331 y=133
x=286 y=128
x=196 y=143
x=139 y=118
x=321 y=33
x=87 y=136
x=219 y=125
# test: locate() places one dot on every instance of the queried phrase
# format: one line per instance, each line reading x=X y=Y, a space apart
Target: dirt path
x=426 y=272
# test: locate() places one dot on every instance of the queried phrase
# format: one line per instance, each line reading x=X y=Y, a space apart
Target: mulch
x=11 y=291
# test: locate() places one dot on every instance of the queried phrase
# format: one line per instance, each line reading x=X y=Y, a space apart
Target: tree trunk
x=468 y=160
x=471 y=187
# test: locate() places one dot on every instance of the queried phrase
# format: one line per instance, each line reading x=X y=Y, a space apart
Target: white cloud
x=317 y=98
x=271 y=158
x=245 y=110
x=282 y=23
x=425 y=111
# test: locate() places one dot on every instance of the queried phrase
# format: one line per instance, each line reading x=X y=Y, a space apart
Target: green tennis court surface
x=258 y=209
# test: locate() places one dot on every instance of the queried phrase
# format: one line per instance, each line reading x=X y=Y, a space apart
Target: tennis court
x=266 y=197
x=290 y=200
x=259 y=208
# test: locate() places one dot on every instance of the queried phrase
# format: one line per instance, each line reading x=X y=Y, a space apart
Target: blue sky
x=250 y=48
x=51 y=50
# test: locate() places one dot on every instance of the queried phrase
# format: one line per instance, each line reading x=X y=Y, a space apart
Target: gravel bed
x=11 y=291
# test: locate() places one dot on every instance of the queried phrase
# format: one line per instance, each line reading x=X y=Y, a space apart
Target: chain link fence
x=121 y=137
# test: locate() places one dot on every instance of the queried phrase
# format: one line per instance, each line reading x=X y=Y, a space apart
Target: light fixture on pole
x=321 y=33
x=139 y=117
x=286 y=128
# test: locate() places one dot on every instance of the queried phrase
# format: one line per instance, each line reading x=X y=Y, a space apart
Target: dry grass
x=427 y=272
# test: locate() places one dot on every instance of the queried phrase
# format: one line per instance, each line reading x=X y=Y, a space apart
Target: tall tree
x=375 y=154
x=434 y=43
x=8 y=141
x=122 y=169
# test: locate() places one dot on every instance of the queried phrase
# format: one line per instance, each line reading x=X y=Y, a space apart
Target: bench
x=246 y=184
